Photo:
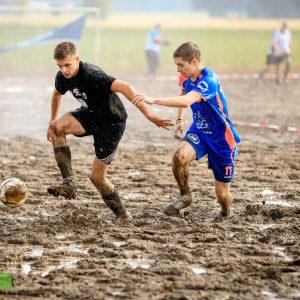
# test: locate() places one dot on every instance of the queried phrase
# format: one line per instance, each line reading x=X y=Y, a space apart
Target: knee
x=56 y=128
x=179 y=157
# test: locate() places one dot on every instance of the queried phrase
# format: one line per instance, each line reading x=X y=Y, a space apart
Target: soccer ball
x=13 y=192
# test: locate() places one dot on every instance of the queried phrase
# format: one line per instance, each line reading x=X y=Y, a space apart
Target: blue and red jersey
x=210 y=115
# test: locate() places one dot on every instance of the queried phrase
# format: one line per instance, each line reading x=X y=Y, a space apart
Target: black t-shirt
x=91 y=87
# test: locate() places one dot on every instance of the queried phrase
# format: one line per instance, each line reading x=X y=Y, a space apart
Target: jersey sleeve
x=207 y=88
x=60 y=86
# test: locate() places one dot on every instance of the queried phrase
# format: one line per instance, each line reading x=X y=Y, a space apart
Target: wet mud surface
x=75 y=249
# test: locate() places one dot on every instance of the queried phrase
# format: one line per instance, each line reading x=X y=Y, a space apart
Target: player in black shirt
x=101 y=114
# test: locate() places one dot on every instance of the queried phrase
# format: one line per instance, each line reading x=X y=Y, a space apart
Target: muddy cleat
x=66 y=189
x=114 y=202
x=222 y=216
x=181 y=202
x=225 y=209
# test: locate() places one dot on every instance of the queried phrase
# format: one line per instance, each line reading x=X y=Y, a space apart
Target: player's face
x=283 y=27
x=185 y=68
x=69 y=66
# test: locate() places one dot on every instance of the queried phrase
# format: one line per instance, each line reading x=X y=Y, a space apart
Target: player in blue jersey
x=211 y=133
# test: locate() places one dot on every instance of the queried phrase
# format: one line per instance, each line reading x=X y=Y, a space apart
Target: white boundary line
x=222 y=76
x=269 y=126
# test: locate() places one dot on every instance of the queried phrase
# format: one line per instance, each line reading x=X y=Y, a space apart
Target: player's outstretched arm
x=176 y=101
x=55 y=104
x=130 y=93
x=178 y=130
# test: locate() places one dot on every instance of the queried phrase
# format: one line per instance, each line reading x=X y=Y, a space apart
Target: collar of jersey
x=199 y=77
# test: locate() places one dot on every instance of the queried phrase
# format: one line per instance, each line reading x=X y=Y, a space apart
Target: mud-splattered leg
x=184 y=154
x=224 y=198
x=58 y=130
x=107 y=190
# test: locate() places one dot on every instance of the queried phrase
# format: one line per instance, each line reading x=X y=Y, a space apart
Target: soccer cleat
x=66 y=189
x=114 y=202
x=181 y=202
x=222 y=216
x=225 y=208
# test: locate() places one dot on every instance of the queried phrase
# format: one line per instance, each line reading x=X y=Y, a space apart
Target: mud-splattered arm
x=130 y=93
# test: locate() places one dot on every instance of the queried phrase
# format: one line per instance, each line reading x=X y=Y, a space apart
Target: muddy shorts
x=221 y=161
x=106 y=136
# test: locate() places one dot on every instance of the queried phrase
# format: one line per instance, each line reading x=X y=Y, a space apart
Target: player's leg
x=107 y=190
x=106 y=140
x=152 y=62
x=277 y=73
x=156 y=62
x=222 y=163
x=148 y=57
x=59 y=129
x=224 y=197
x=287 y=66
x=266 y=68
x=184 y=154
x=264 y=71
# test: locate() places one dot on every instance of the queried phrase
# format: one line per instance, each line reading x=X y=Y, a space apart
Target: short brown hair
x=64 y=49
x=187 y=51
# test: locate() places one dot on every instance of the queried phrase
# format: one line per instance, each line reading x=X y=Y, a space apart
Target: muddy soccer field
x=74 y=249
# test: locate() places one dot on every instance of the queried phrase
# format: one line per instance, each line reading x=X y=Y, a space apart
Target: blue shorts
x=220 y=161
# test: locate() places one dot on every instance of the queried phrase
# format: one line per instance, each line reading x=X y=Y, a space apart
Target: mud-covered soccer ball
x=13 y=192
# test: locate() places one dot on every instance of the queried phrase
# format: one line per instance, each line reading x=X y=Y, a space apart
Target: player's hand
x=160 y=122
x=49 y=134
x=178 y=131
x=165 y=41
x=139 y=99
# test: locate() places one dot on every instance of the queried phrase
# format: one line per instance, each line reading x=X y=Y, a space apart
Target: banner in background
x=72 y=31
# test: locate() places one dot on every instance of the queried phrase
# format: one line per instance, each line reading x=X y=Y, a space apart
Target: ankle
x=70 y=180
x=184 y=192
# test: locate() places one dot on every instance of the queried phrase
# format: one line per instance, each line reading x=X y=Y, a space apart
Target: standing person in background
x=153 y=47
x=280 y=51
x=101 y=114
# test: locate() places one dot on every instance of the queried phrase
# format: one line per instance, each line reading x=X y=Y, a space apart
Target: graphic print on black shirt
x=81 y=97
x=91 y=87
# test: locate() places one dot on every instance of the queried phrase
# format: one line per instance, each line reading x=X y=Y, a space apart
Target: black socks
x=63 y=159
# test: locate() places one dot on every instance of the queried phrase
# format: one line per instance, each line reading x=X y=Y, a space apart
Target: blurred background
x=233 y=35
